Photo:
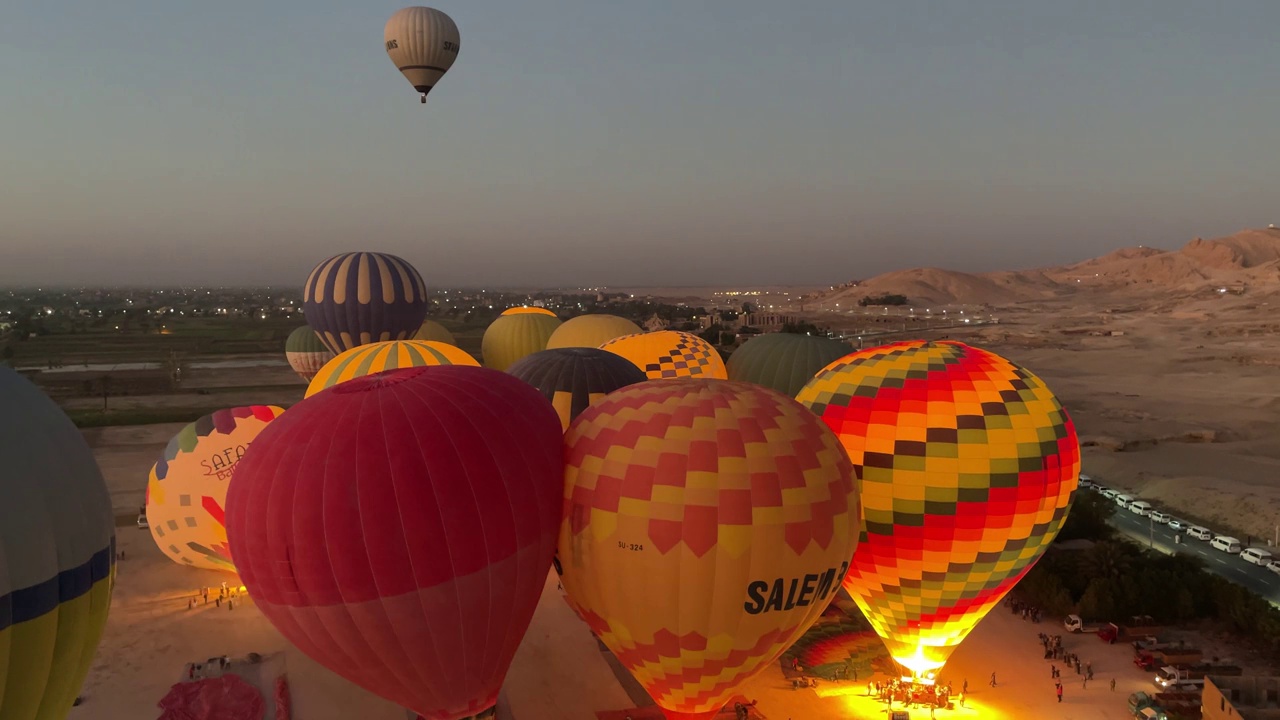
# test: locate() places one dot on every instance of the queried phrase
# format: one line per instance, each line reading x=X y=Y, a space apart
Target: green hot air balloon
x=784 y=361
x=57 y=555
x=435 y=332
x=305 y=352
x=512 y=337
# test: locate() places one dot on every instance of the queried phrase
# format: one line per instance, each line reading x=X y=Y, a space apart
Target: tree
x=1098 y=602
x=1108 y=561
x=1088 y=518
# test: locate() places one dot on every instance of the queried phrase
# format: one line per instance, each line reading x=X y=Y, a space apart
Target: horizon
x=627 y=146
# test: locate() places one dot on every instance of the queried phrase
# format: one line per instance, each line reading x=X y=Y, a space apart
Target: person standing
x=1059 y=692
x=993 y=679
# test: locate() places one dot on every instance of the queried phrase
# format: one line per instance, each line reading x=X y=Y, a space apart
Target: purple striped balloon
x=358 y=298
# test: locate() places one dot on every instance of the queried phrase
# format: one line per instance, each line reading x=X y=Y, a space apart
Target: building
x=1249 y=697
x=766 y=320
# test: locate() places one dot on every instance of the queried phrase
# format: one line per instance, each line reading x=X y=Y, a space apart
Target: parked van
x=1200 y=533
x=1257 y=556
x=1124 y=500
x=1225 y=543
x=1140 y=507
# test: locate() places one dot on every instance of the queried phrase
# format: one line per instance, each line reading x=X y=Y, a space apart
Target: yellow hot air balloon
x=516 y=336
x=57 y=555
x=667 y=354
x=377 y=357
x=187 y=487
x=527 y=310
x=591 y=331
x=707 y=525
x=435 y=332
x=968 y=466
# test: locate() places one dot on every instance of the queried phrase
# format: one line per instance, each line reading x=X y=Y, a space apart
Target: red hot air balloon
x=398 y=528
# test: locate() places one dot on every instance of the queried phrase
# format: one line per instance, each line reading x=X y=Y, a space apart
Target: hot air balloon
x=511 y=337
x=423 y=43
x=573 y=378
x=187 y=487
x=707 y=525
x=377 y=357
x=968 y=467
x=667 y=354
x=591 y=331
x=784 y=361
x=399 y=528
x=305 y=352
x=526 y=309
x=435 y=332
x=357 y=298
x=57 y=554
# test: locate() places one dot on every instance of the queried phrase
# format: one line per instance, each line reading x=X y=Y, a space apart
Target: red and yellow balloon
x=968 y=465
x=706 y=526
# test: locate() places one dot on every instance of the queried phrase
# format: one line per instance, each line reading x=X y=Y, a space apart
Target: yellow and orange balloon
x=968 y=466
x=667 y=354
x=707 y=525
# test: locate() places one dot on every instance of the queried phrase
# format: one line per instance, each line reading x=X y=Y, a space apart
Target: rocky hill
x=1247 y=261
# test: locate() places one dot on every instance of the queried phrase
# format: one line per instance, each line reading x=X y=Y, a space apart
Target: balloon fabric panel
x=357 y=298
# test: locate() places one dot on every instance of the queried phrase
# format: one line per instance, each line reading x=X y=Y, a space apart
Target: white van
x=1200 y=533
x=1226 y=544
x=1257 y=556
x=1124 y=500
x=1140 y=507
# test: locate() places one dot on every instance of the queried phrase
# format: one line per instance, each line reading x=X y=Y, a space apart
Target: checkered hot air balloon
x=968 y=466
x=398 y=529
x=667 y=354
x=187 y=487
x=57 y=554
x=381 y=356
x=707 y=524
x=357 y=298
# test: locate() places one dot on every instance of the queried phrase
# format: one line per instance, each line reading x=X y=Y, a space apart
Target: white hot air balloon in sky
x=423 y=43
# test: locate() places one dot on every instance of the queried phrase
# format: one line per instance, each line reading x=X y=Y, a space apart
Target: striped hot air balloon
x=399 y=529
x=784 y=361
x=591 y=331
x=357 y=298
x=706 y=526
x=511 y=337
x=57 y=555
x=377 y=357
x=187 y=487
x=968 y=466
x=573 y=378
x=305 y=352
x=668 y=354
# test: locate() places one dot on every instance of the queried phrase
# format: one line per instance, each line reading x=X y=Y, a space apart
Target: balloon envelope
x=527 y=309
x=305 y=352
x=667 y=354
x=707 y=524
x=378 y=357
x=57 y=554
x=784 y=361
x=574 y=378
x=591 y=331
x=357 y=298
x=423 y=43
x=398 y=528
x=435 y=332
x=968 y=467
x=187 y=487
x=512 y=337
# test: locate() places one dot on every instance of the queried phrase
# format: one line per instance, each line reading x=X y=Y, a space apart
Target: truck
x=1164 y=700
x=1171 y=675
x=1175 y=656
x=1075 y=624
x=1135 y=628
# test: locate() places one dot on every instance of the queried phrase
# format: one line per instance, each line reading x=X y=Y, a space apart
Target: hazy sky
x=647 y=142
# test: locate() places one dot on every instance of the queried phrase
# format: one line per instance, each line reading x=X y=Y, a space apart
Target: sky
x=579 y=142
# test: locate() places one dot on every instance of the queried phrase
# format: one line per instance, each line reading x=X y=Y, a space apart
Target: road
x=1254 y=577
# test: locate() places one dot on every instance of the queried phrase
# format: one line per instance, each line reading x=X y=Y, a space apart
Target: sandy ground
x=559 y=672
